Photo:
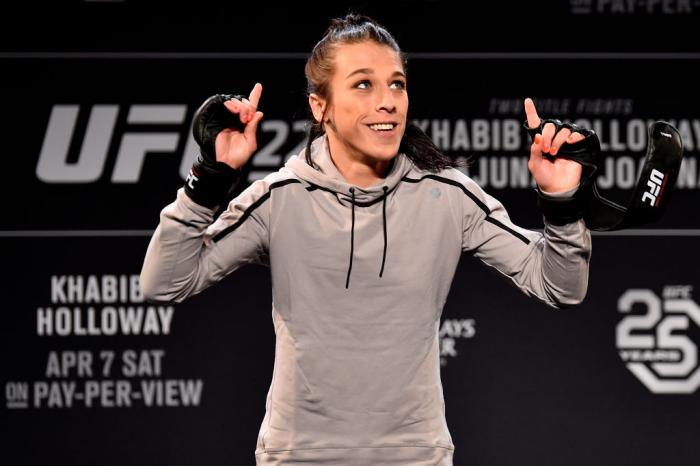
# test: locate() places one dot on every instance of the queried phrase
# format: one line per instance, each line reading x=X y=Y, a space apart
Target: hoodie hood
x=325 y=175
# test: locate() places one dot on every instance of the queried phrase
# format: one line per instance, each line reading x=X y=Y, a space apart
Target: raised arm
x=553 y=265
x=185 y=254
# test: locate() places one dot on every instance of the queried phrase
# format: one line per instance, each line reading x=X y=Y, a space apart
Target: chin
x=383 y=155
x=382 y=152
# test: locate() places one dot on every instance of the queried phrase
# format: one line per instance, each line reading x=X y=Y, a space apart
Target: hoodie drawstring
x=352 y=234
x=384 y=218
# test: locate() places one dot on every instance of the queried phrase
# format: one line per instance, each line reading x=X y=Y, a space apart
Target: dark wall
x=98 y=101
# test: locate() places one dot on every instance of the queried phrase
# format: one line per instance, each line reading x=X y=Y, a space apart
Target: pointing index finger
x=254 y=97
x=533 y=120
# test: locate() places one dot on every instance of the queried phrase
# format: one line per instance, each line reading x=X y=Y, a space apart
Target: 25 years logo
x=655 y=344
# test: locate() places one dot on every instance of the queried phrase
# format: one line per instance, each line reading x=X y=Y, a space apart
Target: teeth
x=382 y=127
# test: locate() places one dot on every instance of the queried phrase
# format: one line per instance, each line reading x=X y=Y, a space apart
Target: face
x=366 y=115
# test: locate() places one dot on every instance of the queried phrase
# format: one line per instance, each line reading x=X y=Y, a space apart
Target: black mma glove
x=560 y=211
x=209 y=181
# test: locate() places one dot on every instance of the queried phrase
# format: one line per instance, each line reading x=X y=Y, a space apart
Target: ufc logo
x=149 y=129
x=53 y=165
x=190 y=180
x=655 y=183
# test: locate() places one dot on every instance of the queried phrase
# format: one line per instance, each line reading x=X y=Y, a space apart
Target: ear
x=318 y=106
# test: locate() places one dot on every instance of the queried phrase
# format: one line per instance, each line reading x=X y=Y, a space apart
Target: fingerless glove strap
x=209 y=184
x=561 y=210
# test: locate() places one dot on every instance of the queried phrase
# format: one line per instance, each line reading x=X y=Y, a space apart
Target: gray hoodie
x=359 y=280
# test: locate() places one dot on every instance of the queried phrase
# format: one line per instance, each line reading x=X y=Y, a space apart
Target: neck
x=357 y=169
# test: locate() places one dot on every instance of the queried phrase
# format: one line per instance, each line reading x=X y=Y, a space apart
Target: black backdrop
x=98 y=99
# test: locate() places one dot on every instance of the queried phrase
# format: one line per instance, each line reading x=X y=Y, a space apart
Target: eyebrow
x=370 y=71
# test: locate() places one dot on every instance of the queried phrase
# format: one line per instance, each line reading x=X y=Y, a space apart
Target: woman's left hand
x=556 y=174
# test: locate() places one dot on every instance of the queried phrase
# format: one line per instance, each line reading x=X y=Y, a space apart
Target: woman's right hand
x=235 y=147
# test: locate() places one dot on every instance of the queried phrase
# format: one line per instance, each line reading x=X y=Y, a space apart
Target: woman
x=363 y=232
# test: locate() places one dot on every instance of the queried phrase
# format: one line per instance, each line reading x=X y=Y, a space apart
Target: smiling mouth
x=383 y=126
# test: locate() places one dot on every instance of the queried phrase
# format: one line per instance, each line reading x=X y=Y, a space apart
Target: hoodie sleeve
x=552 y=266
x=189 y=251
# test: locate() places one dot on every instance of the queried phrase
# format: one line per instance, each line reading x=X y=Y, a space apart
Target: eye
x=398 y=84
x=364 y=84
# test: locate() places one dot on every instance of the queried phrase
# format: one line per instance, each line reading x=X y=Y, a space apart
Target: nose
x=386 y=101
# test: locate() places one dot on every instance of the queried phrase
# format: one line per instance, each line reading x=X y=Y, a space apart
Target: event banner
x=93 y=374
x=107 y=142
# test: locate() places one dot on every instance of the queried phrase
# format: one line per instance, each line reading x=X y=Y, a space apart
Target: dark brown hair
x=319 y=70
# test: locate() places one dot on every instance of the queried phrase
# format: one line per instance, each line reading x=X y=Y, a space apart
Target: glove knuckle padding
x=210 y=119
x=586 y=151
x=210 y=181
x=560 y=211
